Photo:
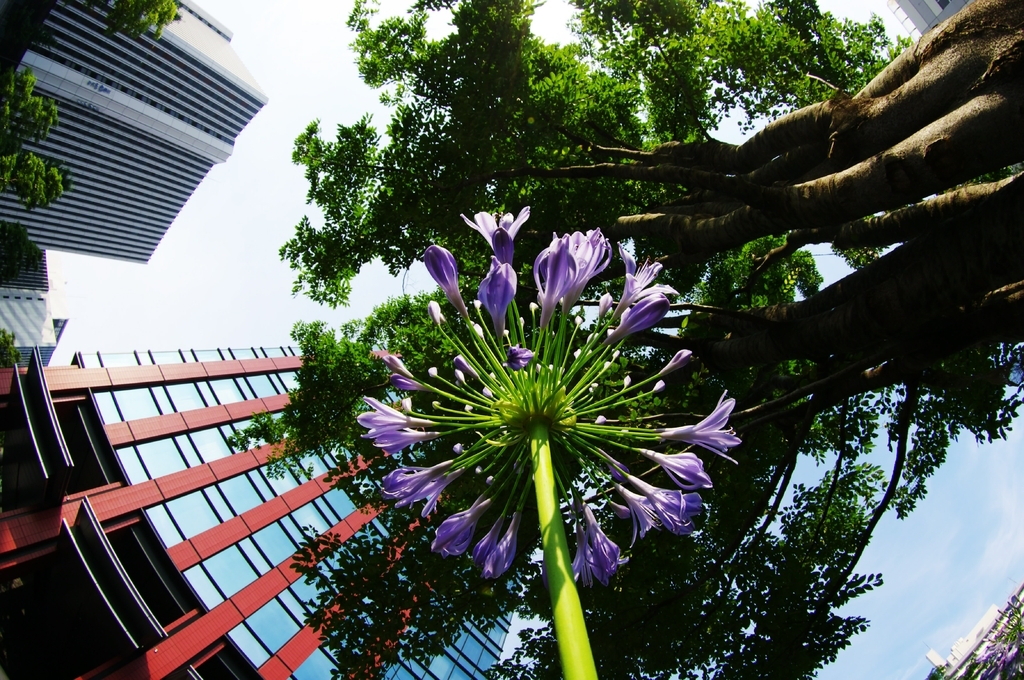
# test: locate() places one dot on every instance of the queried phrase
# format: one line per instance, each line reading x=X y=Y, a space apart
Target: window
x=240 y=494
x=226 y=391
x=131 y=465
x=339 y=502
x=107 y=407
x=124 y=359
x=230 y=570
x=307 y=516
x=192 y=513
x=165 y=528
x=289 y=380
x=188 y=450
x=161 y=458
x=166 y=357
x=185 y=397
x=261 y=386
x=135 y=404
x=282 y=484
x=207 y=355
x=274 y=543
x=272 y=625
x=245 y=353
x=247 y=546
x=210 y=444
x=317 y=667
x=162 y=401
x=203 y=586
x=249 y=645
x=204 y=389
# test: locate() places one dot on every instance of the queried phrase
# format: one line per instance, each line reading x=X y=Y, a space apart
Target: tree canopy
x=904 y=165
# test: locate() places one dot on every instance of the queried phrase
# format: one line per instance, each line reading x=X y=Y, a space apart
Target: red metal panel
x=274 y=669
x=299 y=496
x=212 y=541
x=258 y=366
x=276 y=402
x=119 y=434
x=180 y=372
x=126 y=499
x=64 y=378
x=185 y=481
x=244 y=409
x=123 y=376
x=261 y=516
x=183 y=555
x=287 y=363
x=297 y=650
x=222 y=468
x=210 y=416
x=157 y=427
x=223 y=368
x=260 y=592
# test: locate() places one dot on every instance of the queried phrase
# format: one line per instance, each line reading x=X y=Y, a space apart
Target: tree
x=136 y=17
x=906 y=169
x=34 y=180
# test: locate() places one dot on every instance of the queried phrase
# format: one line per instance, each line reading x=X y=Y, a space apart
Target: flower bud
x=626 y=382
x=600 y=420
x=658 y=387
x=407 y=404
x=487 y=393
x=604 y=305
x=681 y=358
x=469 y=409
x=578 y=321
x=460 y=377
x=434 y=312
x=477 y=304
x=457 y=449
x=432 y=372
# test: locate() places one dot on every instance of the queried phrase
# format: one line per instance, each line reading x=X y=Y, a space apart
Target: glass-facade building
x=142 y=120
x=134 y=538
x=920 y=16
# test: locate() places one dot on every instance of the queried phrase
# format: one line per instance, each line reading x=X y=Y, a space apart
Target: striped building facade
x=141 y=123
x=136 y=541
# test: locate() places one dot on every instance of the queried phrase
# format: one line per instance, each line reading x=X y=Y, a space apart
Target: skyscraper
x=141 y=123
x=918 y=16
x=138 y=543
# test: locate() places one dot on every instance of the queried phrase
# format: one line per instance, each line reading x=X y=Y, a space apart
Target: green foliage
x=26 y=116
x=9 y=354
x=136 y=17
x=17 y=252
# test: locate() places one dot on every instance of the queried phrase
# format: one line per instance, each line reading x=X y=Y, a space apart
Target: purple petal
x=502 y=246
x=497 y=290
x=685 y=469
x=681 y=358
x=709 y=433
x=455 y=533
x=394 y=441
x=518 y=357
x=403 y=383
x=642 y=316
x=442 y=268
x=461 y=364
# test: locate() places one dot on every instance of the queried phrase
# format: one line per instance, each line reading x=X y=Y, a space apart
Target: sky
x=216 y=281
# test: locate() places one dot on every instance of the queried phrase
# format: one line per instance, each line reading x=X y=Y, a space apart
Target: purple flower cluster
x=496 y=399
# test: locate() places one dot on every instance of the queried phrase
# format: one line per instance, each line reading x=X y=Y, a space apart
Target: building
x=977 y=641
x=34 y=307
x=142 y=121
x=135 y=543
x=920 y=16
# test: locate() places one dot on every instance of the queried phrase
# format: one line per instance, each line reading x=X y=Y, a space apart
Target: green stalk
x=570 y=628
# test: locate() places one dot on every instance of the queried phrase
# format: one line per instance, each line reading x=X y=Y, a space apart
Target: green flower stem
x=570 y=628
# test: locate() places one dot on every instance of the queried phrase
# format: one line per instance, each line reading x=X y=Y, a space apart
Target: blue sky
x=216 y=281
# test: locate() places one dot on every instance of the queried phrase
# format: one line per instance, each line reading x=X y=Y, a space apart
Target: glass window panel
x=472 y=649
x=189 y=451
x=203 y=586
x=143 y=358
x=108 y=410
x=133 y=469
x=315 y=463
x=90 y=360
x=241 y=494
x=185 y=396
x=274 y=543
x=204 y=389
x=162 y=401
x=243 y=353
x=293 y=530
x=304 y=592
x=229 y=570
x=289 y=379
x=226 y=391
x=292 y=604
x=459 y=674
x=487 y=660
x=340 y=502
x=210 y=444
x=121 y=359
x=165 y=528
x=441 y=666
x=136 y=404
x=282 y=484
x=272 y=625
x=217 y=500
x=207 y=355
x=261 y=385
x=317 y=667
x=307 y=516
x=161 y=457
x=166 y=357
x=261 y=485
x=273 y=351
x=192 y=513
x=226 y=431
x=327 y=511
x=249 y=645
x=244 y=388
x=255 y=556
